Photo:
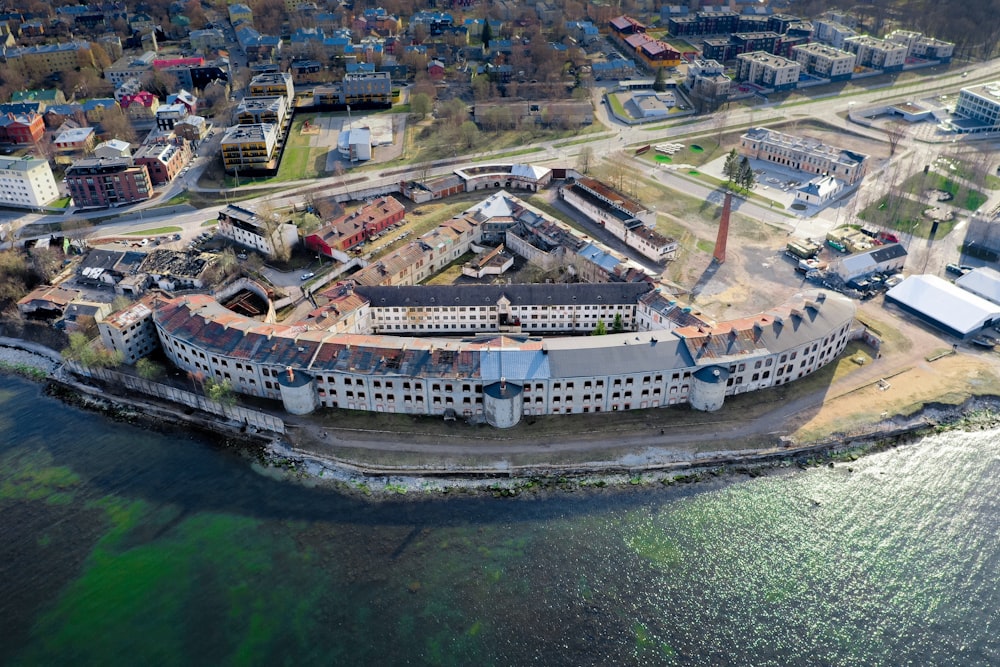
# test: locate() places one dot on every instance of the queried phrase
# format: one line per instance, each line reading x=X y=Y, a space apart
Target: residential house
x=79 y=140
x=21 y=128
x=164 y=159
x=141 y=106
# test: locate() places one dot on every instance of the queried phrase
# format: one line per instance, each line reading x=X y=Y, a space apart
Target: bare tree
x=895 y=131
x=585 y=158
x=117 y=125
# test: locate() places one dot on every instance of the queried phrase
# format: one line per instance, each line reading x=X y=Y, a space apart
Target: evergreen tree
x=732 y=166
x=660 y=84
x=746 y=178
x=618 y=326
x=600 y=330
x=487 y=35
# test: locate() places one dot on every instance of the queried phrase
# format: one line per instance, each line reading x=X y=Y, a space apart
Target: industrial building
x=248 y=229
x=944 y=305
x=625 y=218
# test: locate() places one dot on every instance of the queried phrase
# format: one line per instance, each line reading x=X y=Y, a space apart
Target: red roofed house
x=141 y=105
x=347 y=231
x=164 y=63
x=435 y=70
x=24 y=128
x=624 y=25
x=653 y=52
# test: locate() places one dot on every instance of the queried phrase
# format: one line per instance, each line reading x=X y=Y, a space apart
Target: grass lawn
x=966 y=170
x=156 y=231
x=905 y=212
x=449 y=274
x=62 y=202
x=616 y=105
x=964 y=197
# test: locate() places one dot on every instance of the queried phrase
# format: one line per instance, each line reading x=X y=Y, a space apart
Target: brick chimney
x=720 y=242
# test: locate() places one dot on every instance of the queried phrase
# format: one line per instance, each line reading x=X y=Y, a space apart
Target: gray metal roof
x=519 y=295
x=514 y=365
x=617 y=353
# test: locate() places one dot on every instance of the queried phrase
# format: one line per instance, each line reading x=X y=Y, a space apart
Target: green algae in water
x=31 y=475
x=662 y=158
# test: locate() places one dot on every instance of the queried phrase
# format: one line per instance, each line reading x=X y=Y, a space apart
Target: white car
x=307 y=275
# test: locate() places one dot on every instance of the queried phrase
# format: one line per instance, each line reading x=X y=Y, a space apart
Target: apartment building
x=43 y=60
x=825 y=61
x=767 y=70
x=250 y=147
x=163 y=159
x=876 y=53
x=256 y=110
x=97 y=182
x=26 y=182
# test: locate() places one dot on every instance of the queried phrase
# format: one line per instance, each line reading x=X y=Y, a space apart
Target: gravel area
x=11 y=356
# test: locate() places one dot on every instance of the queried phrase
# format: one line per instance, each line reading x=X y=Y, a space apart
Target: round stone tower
x=298 y=392
x=708 y=388
x=502 y=403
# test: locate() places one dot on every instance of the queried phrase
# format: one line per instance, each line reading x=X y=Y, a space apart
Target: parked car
x=307 y=275
x=955 y=269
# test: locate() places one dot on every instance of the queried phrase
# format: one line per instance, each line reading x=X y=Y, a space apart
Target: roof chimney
x=291 y=375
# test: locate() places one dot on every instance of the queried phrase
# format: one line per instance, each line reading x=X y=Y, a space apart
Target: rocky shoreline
x=275 y=456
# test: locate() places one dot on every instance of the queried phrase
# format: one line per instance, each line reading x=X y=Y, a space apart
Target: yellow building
x=250 y=147
x=48 y=59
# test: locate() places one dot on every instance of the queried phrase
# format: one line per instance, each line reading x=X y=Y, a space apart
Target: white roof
x=943 y=302
x=75 y=134
x=528 y=171
x=115 y=145
x=856 y=265
x=497 y=205
x=984 y=282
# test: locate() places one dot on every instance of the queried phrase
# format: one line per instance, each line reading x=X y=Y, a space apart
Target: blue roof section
x=514 y=365
x=599 y=257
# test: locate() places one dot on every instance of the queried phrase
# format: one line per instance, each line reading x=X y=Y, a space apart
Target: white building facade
x=27 y=182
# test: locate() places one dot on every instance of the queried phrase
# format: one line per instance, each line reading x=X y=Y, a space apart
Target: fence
x=259 y=420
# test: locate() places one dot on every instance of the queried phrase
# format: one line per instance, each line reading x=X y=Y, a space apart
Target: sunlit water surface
x=126 y=546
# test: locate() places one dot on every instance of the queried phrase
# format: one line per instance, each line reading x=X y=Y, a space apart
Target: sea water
x=128 y=546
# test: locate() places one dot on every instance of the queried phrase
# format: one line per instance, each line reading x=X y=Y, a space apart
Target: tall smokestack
x=720 y=242
x=291 y=375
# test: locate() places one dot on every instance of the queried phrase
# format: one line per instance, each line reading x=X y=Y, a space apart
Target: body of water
x=126 y=546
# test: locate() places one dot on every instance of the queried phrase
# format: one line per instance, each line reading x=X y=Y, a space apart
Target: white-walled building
x=246 y=228
x=26 y=182
x=876 y=53
x=920 y=46
x=626 y=219
x=767 y=70
x=130 y=331
x=554 y=375
x=831 y=32
x=824 y=61
x=980 y=103
x=804 y=154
